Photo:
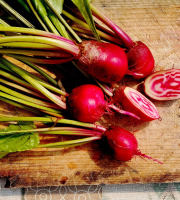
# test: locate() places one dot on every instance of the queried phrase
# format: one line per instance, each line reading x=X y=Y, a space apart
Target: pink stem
x=88 y=132
x=51 y=35
x=122 y=111
x=50 y=53
x=38 y=33
x=100 y=128
x=74 y=131
x=128 y=42
x=41 y=60
x=129 y=72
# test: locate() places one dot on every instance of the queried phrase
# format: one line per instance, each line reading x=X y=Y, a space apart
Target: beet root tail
x=138 y=153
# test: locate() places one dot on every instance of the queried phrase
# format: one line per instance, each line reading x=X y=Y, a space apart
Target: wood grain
x=157 y=23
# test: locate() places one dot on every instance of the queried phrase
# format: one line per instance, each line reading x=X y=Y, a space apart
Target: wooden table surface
x=156 y=23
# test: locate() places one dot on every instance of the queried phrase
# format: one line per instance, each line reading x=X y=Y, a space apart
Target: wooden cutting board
x=157 y=23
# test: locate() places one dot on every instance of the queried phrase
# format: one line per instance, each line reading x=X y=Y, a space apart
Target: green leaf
x=39 y=10
x=18 y=141
x=85 y=9
x=58 y=4
x=39 y=6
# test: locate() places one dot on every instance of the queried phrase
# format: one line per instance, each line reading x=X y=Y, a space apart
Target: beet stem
x=128 y=42
x=61 y=19
x=35 y=84
x=57 y=120
x=35 y=32
x=122 y=111
x=57 y=131
x=40 y=60
x=84 y=28
x=129 y=72
x=70 y=143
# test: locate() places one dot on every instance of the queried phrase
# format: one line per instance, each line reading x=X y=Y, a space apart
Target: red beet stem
x=135 y=74
x=122 y=111
x=128 y=42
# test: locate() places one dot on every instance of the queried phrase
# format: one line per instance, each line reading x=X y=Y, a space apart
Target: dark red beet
x=124 y=144
x=140 y=61
x=104 y=61
x=86 y=103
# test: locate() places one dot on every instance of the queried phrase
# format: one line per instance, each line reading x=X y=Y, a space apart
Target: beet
x=104 y=61
x=163 y=85
x=140 y=60
x=86 y=103
x=135 y=102
x=124 y=144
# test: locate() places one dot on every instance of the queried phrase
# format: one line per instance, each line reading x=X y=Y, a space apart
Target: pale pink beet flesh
x=104 y=61
x=163 y=85
x=135 y=102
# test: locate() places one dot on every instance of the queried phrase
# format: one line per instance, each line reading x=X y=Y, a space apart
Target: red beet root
x=140 y=61
x=104 y=61
x=124 y=144
x=163 y=85
x=86 y=103
x=134 y=102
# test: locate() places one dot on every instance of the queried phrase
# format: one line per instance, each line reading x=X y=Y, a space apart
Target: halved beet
x=163 y=85
x=135 y=102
